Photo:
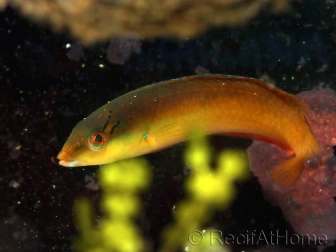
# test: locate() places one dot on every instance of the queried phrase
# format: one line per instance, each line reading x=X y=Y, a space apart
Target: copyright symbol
x=196 y=237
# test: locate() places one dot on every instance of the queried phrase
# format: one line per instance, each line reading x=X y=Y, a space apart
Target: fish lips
x=67 y=161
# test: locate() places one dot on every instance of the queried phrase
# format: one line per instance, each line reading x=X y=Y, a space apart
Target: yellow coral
x=120 y=181
x=208 y=189
x=129 y=175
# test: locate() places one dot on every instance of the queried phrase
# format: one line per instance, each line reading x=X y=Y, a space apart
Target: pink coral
x=309 y=205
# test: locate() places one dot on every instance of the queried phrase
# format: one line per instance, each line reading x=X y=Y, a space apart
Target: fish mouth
x=66 y=161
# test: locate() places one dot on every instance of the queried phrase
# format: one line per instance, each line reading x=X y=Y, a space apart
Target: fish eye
x=97 y=140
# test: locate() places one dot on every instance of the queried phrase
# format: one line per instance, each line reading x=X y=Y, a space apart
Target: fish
x=160 y=115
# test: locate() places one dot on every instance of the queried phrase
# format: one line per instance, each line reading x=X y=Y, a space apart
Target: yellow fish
x=160 y=115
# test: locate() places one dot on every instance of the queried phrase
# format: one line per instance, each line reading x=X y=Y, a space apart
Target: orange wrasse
x=160 y=115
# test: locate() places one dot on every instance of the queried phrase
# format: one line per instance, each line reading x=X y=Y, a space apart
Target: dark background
x=44 y=94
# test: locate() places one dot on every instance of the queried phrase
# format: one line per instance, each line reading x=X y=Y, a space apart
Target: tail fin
x=288 y=172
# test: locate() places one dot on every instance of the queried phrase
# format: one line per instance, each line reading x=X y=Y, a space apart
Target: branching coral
x=207 y=189
x=120 y=204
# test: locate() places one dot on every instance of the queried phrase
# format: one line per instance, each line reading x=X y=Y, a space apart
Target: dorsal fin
x=290 y=99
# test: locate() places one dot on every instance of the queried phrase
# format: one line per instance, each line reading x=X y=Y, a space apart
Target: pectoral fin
x=166 y=132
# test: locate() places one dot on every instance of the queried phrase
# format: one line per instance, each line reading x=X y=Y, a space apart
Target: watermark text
x=255 y=237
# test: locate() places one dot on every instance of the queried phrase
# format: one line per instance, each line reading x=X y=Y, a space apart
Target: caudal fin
x=288 y=172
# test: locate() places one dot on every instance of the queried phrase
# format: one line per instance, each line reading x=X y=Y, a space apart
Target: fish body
x=160 y=115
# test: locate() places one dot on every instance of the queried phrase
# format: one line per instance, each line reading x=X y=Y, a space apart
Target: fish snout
x=65 y=160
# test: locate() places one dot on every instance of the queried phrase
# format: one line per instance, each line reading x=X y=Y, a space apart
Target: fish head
x=84 y=146
x=89 y=144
